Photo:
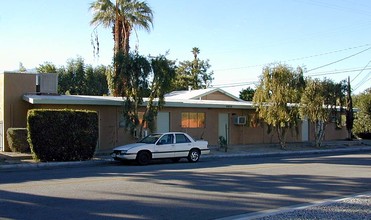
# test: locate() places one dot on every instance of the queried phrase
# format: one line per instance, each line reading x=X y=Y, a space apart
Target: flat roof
x=73 y=100
x=119 y=101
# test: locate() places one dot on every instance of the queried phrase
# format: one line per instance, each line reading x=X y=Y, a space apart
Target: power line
x=246 y=83
x=331 y=52
x=361 y=71
x=363 y=81
x=295 y=59
x=339 y=60
x=332 y=72
x=360 y=10
x=225 y=85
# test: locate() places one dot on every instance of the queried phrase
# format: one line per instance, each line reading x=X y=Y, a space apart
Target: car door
x=164 y=147
x=182 y=145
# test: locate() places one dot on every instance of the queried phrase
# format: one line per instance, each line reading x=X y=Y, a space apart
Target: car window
x=150 y=139
x=181 y=138
x=166 y=139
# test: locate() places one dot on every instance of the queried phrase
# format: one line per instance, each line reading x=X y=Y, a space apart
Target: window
x=193 y=120
x=166 y=139
x=181 y=138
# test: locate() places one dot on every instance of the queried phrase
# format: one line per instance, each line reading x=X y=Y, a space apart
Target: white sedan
x=174 y=145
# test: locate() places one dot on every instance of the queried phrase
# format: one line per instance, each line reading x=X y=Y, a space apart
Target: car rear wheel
x=143 y=158
x=194 y=155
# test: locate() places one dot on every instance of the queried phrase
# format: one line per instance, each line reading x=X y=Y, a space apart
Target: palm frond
x=103 y=13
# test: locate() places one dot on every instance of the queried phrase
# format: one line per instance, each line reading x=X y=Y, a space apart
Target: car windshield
x=150 y=139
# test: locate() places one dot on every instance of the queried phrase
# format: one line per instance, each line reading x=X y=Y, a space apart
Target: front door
x=163 y=122
x=164 y=147
x=304 y=130
x=223 y=125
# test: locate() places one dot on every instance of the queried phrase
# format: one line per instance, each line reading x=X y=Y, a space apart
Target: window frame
x=199 y=119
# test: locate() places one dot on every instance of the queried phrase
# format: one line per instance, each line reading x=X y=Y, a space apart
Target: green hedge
x=17 y=140
x=62 y=135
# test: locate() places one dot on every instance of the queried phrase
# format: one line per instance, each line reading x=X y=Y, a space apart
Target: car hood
x=128 y=146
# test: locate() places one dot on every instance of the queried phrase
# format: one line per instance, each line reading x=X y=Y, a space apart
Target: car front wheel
x=143 y=158
x=194 y=155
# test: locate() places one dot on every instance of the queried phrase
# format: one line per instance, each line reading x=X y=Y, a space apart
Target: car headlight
x=122 y=152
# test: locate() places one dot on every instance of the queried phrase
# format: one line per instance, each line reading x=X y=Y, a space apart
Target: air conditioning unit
x=240 y=120
x=47 y=83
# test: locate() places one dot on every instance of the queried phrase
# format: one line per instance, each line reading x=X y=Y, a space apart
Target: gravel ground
x=358 y=208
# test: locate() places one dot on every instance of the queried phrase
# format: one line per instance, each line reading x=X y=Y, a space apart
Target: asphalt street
x=211 y=189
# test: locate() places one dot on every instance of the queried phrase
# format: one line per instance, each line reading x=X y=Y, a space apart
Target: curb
x=100 y=161
x=45 y=165
x=293 y=153
x=271 y=213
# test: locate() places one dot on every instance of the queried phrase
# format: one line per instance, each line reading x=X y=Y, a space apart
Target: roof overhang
x=73 y=100
x=118 y=101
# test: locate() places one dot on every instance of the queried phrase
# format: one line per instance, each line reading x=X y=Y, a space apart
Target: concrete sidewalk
x=19 y=161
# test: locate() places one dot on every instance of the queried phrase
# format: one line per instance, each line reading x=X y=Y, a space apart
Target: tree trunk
x=319 y=132
x=118 y=31
x=281 y=133
x=117 y=49
x=126 y=45
x=126 y=30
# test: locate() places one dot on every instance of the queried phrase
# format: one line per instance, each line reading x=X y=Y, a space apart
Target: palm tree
x=195 y=66
x=195 y=52
x=124 y=16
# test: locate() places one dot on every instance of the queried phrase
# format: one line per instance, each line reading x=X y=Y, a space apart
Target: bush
x=17 y=140
x=362 y=121
x=62 y=135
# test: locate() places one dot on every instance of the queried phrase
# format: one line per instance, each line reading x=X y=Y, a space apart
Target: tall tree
x=362 y=122
x=195 y=52
x=134 y=70
x=46 y=67
x=123 y=17
x=193 y=73
x=22 y=69
x=163 y=74
x=77 y=78
x=280 y=87
x=152 y=78
x=96 y=80
x=247 y=94
x=320 y=102
x=349 y=111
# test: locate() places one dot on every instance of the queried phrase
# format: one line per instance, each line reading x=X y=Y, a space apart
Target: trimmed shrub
x=17 y=140
x=62 y=135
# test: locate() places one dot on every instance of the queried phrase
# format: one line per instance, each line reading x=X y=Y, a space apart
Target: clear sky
x=330 y=38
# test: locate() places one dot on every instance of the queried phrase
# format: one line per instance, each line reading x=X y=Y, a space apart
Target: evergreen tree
x=193 y=73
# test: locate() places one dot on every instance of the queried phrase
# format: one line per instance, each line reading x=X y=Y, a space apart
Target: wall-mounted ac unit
x=240 y=120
